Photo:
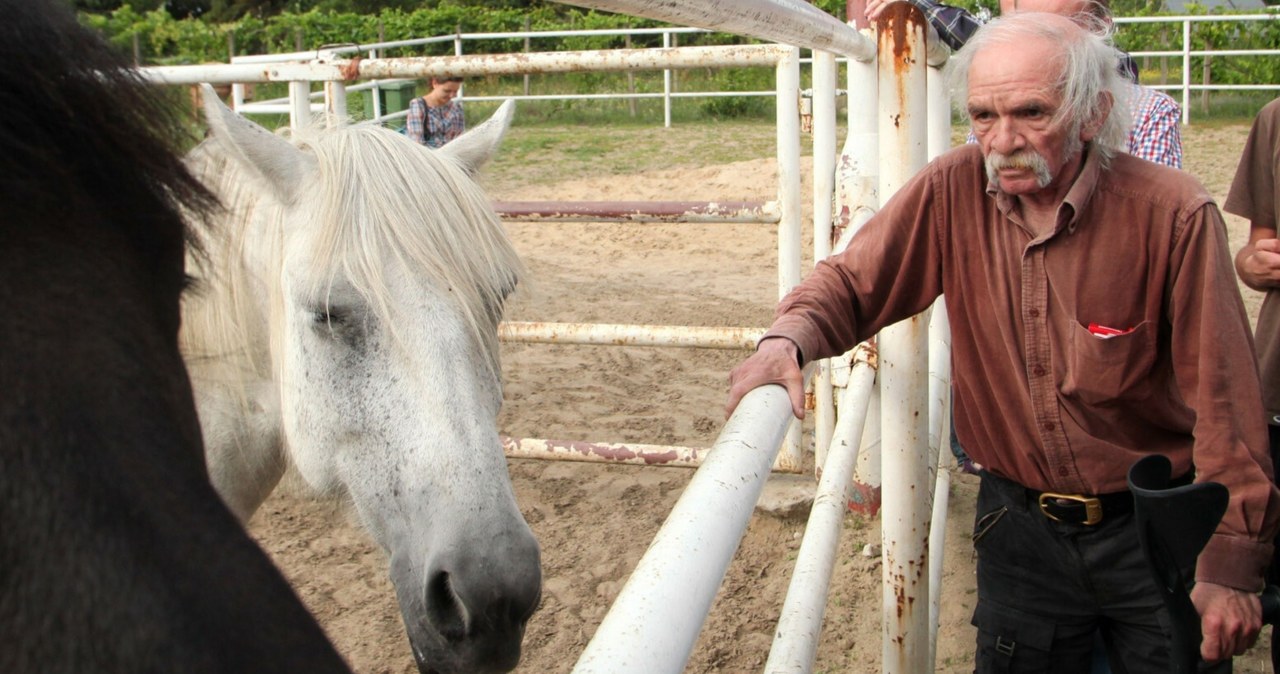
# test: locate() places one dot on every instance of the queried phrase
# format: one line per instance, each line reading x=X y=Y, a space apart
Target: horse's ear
x=280 y=164
x=473 y=148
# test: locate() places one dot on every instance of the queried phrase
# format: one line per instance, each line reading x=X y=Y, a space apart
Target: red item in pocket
x=1105 y=332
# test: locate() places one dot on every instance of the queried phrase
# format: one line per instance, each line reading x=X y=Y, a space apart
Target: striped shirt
x=436 y=126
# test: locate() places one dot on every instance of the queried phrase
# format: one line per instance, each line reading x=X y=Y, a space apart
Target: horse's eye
x=329 y=316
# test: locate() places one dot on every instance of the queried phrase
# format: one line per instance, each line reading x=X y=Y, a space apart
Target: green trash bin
x=394 y=97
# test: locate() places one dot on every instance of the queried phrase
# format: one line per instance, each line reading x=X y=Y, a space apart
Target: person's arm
x=1253 y=197
x=851 y=295
x=1217 y=376
x=1157 y=128
x=415 y=126
x=954 y=25
x=1258 y=262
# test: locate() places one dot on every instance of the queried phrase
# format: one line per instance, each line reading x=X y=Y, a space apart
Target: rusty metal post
x=907 y=497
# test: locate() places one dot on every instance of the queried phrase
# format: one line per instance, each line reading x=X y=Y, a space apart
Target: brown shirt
x=1254 y=195
x=1039 y=399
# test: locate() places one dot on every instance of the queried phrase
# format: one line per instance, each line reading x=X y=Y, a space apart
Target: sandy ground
x=595 y=521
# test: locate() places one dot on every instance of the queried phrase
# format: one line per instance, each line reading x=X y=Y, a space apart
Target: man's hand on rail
x=776 y=361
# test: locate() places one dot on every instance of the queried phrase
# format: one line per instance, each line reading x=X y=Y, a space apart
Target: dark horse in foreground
x=116 y=554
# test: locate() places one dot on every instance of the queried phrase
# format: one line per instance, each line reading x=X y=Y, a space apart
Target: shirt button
x=1062 y=471
x=1034 y=312
x=1038 y=371
x=1048 y=425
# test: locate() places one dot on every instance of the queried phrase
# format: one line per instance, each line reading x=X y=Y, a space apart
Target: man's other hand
x=1230 y=620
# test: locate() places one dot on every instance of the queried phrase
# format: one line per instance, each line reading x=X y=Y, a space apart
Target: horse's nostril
x=443 y=608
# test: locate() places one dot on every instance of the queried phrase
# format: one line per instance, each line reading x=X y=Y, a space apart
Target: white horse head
x=350 y=326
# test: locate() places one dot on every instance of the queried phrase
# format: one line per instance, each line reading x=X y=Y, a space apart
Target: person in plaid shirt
x=1156 y=134
x=436 y=118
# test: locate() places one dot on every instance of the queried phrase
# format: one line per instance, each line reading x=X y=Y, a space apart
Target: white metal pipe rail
x=473 y=65
x=824 y=75
x=655 y=621
x=905 y=512
x=604 y=452
x=1186 y=52
x=788 y=21
x=795 y=641
x=630 y=335
x=761 y=212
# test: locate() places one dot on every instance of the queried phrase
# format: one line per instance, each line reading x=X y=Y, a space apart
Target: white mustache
x=1029 y=160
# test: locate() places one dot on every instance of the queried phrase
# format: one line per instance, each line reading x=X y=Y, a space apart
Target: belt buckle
x=1092 y=506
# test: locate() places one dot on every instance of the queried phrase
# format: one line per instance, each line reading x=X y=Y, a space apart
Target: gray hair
x=1088 y=67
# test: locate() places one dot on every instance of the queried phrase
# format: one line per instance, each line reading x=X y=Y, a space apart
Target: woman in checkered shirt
x=437 y=118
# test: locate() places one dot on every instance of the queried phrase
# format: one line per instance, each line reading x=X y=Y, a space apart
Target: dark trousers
x=1273 y=571
x=1045 y=588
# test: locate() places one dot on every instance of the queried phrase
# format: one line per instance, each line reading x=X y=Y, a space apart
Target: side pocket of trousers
x=1011 y=641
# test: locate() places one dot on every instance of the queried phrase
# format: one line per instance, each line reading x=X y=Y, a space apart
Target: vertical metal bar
x=795 y=641
x=824 y=175
x=526 y=50
x=939 y=383
x=1186 y=71
x=903 y=130
x=666 y=86
x=789 y=234
x=335 y=104
x=857 y=199
x=631 y=82
x=299 y=104
x=939 y=103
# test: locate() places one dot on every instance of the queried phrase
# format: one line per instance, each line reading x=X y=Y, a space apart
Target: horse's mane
x=379 y=195
x=75 y=114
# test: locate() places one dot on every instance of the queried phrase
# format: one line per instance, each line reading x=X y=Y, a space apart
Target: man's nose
x=1006 y=137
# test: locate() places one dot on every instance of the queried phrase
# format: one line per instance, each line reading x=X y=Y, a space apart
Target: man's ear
x=1093 y=125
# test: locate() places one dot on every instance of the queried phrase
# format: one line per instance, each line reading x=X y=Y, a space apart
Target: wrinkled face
x=1013 y=106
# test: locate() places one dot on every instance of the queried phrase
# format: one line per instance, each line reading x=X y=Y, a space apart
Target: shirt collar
x=1077 y=199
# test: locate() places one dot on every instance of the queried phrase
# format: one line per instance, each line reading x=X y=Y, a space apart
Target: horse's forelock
x=381 y=195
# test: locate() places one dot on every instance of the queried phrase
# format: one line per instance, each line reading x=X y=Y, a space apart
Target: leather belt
x=1081 y=509
x=1090 y=510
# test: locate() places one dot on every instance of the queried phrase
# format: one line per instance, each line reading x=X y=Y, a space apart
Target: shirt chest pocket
x=1104 y=368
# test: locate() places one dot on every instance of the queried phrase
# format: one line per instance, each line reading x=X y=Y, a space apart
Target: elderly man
x=1095 y=320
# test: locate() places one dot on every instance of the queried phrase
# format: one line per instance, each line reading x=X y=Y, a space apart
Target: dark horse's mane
x=116 y=554
x=74 y=113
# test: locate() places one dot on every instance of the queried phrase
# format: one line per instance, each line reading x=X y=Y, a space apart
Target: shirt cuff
x=1234 y=562
x=793 y=328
